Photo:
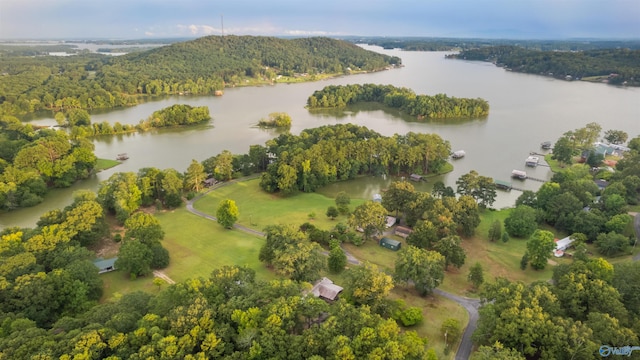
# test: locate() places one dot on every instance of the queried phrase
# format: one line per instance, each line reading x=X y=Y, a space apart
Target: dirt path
x=163 y=276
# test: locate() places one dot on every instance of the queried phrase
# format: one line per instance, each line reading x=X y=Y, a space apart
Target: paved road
x=471 y=305
x=636 y=223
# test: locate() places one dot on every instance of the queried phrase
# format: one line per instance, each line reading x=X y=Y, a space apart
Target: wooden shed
x=403 y=231
x=390 y=244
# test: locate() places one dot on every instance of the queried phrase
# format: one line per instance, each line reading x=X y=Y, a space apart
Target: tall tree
x=398 y=196
x=367 y=285
x=476 y=275
x=521 y=222
x=425 y=269
x=134 y=258
x=467 y=215
x=143 y=227
x=227 y=213
x=495 y=231
x=194 y=177
x=540 y=247
x=450 y=248
x=370 y=217
x=563 y=150
x=342 y=202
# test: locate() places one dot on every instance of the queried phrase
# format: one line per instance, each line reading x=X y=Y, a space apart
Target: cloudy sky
x=129 y=19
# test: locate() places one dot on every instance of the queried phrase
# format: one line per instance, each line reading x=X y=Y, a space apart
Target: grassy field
x=197 y=247
x=104 y=164
x=259 y=209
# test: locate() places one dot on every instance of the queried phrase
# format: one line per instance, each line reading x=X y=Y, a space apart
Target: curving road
x=471 y=305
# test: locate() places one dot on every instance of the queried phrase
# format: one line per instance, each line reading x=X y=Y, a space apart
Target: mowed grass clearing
x=104 y=164
x=259 y=209
x=198 y=246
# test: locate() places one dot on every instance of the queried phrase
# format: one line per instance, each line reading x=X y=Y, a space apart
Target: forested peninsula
x=323 y=155
x=439 y=106
x=613 y=66
x=201 y=66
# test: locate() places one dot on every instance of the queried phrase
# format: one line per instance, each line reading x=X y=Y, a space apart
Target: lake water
x=525 y=110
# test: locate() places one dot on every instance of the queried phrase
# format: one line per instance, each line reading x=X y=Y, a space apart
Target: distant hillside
x=200 y=66
x=614 y=66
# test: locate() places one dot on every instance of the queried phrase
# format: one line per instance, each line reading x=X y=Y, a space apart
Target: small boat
x=546 y=145
x=458 y=154
x=122 y=156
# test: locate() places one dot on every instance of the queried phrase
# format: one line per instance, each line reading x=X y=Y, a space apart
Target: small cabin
x=519 y=174
x=390 y=244
x=390 y=221
x=326 y=289
x=105 y=265
x=458 y=154
x=402 y=231
x=532 y=161
x=415 y=177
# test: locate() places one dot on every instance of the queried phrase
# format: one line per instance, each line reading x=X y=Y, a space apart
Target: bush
x=410 y=316
x=191 y=195
x=117 y=238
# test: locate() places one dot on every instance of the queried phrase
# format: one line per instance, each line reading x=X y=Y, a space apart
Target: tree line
x=439 y=106
x=201 y=66
x=416 y=43
x=619 y=65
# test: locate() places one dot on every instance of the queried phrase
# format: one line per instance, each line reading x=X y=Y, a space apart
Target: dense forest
x=615 y=66
x=201 y=66
x=229 y=315
x=32 y=161
x=327 y=154
x=439 y=106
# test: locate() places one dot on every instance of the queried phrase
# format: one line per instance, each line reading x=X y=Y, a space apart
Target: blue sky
x=128 y=19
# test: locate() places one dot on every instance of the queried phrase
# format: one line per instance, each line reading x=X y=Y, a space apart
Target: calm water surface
x=525 y=110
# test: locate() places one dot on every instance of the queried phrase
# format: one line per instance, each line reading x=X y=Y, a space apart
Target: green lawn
x=198 y=246
x=259 y=209
x=104 y=164
x=553 y=164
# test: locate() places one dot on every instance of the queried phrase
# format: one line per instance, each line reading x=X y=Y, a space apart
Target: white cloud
x=197 y=30
x=311 y=33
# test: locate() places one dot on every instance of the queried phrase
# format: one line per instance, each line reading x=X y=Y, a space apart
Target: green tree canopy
x=423 y=268
x=227 y=213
